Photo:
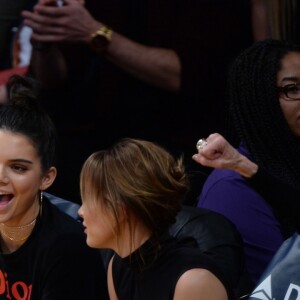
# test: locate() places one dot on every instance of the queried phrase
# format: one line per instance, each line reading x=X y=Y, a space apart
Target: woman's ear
x=48 y=178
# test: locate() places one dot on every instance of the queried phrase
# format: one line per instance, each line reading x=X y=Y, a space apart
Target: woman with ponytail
x=43 y=254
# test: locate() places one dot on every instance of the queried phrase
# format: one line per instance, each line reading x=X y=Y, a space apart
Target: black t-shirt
x=152 y=272
x=54 y=263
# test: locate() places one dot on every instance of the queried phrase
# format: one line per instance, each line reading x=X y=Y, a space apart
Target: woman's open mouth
x=5 y=198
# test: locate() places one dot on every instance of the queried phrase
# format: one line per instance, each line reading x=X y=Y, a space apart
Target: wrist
x=100 y=39
x=245 y=167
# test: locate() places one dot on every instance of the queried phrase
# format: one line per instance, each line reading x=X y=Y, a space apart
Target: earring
x=41 y=202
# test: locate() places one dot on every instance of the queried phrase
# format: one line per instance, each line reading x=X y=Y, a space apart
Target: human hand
x=217 y=153
x=70 y=22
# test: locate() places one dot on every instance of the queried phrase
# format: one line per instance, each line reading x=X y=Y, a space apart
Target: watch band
x=100 y=39
x=103 y=31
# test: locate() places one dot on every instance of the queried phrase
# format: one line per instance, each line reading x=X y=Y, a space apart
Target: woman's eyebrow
x=21 y=160
x=291 y=78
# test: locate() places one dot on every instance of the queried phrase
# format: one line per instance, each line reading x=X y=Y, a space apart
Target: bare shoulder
x=199 y=284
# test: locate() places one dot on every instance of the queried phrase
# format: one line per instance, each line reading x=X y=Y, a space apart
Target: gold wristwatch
x=101 y=38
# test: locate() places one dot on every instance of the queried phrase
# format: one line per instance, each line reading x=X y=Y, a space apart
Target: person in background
x=15 y=47
x=141 y=69
x=260 y=15
x=19 y=59
x=131 y=194
x=264 y=108
x=43 y=253
x=10 y=18
x=218 y=153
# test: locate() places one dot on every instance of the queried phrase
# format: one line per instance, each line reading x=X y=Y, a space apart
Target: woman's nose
x=80 y=211
x=3 y=176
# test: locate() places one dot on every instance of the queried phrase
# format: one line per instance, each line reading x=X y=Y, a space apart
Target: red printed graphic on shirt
x=15 y=291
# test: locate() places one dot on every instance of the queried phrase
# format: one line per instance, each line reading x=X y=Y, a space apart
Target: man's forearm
x=157 y=66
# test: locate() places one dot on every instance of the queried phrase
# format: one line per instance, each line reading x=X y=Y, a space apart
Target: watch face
x=99 y=42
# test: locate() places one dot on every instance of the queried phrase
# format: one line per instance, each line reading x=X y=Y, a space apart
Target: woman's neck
x=14 y=236
x=130 y=241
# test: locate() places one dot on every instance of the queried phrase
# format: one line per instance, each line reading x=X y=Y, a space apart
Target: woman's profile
x=131 y=193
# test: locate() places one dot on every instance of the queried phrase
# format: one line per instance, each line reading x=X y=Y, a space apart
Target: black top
x=54 y=263
x=284 y=199
x=217 y=237
x=152 y=272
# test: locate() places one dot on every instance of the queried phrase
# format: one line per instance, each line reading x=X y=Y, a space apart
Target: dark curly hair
x=255 y=111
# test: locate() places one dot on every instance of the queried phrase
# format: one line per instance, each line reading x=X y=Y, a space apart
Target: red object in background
x=5 y=74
